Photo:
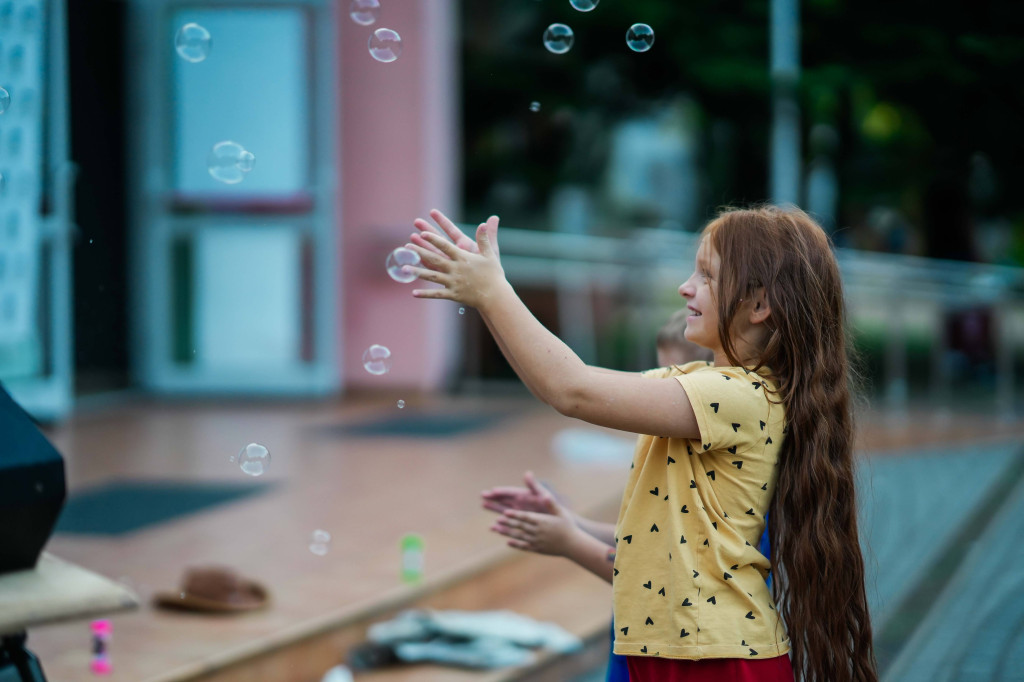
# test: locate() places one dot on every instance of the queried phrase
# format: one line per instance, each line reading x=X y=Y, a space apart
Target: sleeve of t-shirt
x=726 y=407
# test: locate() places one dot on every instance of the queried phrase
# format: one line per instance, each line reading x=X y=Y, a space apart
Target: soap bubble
x=584 y=5
x=192 y=43
x=640 y=37
x=401 y=404
x=377 y=359
x=397 y=260
x=558 y=38
x=385 y=45
x=535 y=107
x=320 y=542
x=462 y=311
x=254 y=459
x=229 y=162
x=364 y=12
x=5 y=100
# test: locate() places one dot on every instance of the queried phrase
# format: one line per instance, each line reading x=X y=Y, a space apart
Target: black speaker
x=32 y=487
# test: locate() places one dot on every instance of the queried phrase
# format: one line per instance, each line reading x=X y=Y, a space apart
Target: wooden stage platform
x=367 y=491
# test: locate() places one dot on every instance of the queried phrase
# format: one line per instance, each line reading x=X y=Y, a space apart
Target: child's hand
x=470 y=278
x=534 y=497
x=536 y=532
x=453 y=232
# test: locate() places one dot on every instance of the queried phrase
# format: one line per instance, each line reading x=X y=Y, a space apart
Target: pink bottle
x=101 y=633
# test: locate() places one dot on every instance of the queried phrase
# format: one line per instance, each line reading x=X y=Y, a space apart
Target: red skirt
x=655 y=669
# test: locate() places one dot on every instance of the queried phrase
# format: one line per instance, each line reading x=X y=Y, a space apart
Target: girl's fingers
x=447 y=225
x=419 y=241
x=433 y=293
x=432 y=258
x=518 y=544
x=443 y=244
x=427 y=275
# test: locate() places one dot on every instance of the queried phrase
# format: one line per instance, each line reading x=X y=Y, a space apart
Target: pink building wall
x=399 y=158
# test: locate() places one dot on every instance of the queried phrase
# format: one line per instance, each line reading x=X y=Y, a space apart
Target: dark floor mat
x=423 y=425
x=127 y=506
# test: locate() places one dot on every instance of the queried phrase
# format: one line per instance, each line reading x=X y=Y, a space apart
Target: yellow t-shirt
x=689 y=581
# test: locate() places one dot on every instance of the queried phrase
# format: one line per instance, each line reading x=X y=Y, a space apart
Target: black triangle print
x=715 y=405
x=670 y=556
x=693 y=483
x=695 y=573
x=753 y=653
x=707 y=446
x=738 y=464
x=743 y=642
x=762 y=426
x=648 y=621
x=750 y=511
x=625 y=630
x=670 y=460
x=682 y=539
x=711 y=599
x=662 y=592
x=689 y=450
x=655 y=491
x=748 y=544
x=684 y=633
x=647 y=584
x=727 y=575
x=666 y=497
x=724 y=515
x=768 y=441
x=632 y=465
x=684 y=510
x=654 y=528
x=756 y=384
x=732 y=450
x=616 y=571
x=706 y=542
x=644 y=650
x=726 y=377
x=764 y=487
x=734 y=567
x=687 y=602
x=771 y=607
x=714 y=524
x=628 y=539
x=735 y=427
x=711 y=474
x=750 y=615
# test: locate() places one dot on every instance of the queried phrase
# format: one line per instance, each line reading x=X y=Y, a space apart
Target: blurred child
x=768 y=425
x=673 y=349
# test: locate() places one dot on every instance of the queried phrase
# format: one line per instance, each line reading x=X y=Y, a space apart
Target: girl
x=766 y=428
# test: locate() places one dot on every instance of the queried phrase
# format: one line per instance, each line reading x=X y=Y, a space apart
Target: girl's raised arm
x=549 y=368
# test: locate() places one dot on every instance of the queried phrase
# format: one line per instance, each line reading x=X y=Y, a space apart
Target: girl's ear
x=759 y=308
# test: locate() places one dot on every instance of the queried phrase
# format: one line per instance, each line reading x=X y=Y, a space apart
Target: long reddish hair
x=818 y=570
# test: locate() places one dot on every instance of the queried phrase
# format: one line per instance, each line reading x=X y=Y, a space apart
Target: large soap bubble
x=254 y=459
x=377 y=359
x=640 y=37
x=396 y=262
x=385 y=45
x=193 y=42
x=229 y=162
x=584 y=5
x=364 y=12
x=558 y=38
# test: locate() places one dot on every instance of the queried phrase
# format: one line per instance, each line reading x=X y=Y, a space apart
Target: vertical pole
x=785 y=169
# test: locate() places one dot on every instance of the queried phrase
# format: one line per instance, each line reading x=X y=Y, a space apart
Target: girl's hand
x=469 y=278
x=453 y=232
x=534 y=497
x=552 y=534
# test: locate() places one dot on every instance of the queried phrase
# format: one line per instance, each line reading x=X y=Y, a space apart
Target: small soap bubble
x=535 y=107
x=584 y=5
x=640 y=37
x=385 y=45
x=318 y=549
x=321 y=537
x=229 y=162
x=462 y=311
x=401 y=404
x=377 y=359
x=558 y=38
x=364 y=12
x=254 y=459
x=396 y=262
x=5 y=100
x=192 y=43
